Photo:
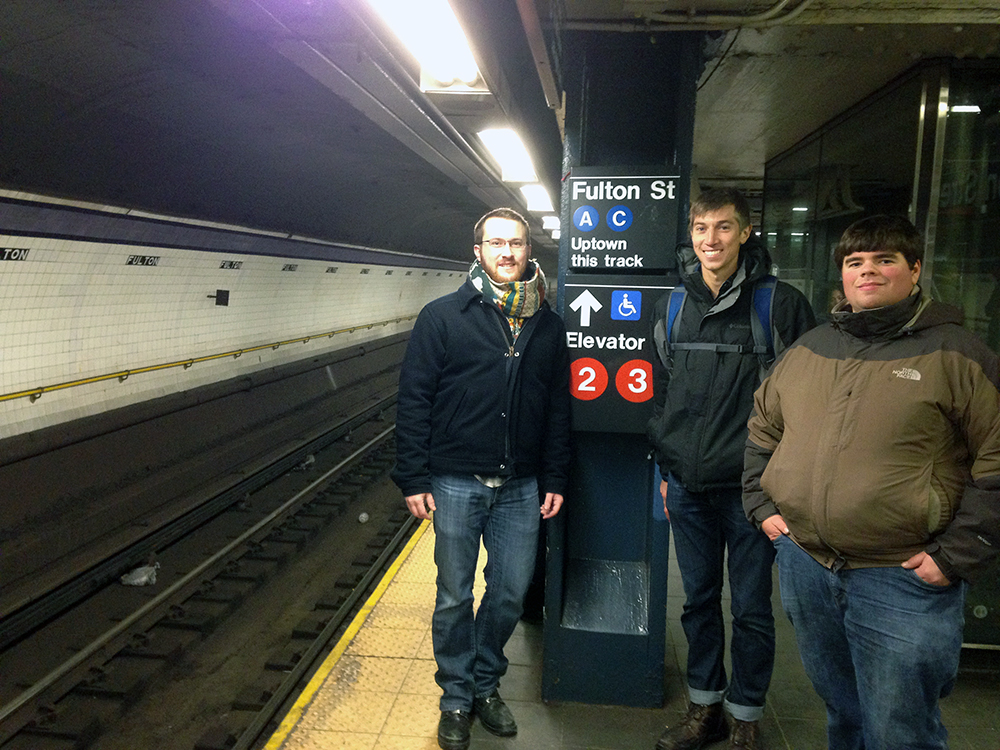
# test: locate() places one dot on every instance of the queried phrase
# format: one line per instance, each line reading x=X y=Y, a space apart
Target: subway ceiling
x=304 y=116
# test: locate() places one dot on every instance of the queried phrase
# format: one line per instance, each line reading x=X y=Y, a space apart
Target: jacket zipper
x=507 y=385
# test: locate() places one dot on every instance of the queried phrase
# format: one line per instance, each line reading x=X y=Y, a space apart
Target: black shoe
x=494 y=715
x=745 y=736
x=453 y=730
x=701 y=725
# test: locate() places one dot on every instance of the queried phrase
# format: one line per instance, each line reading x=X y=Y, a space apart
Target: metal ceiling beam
x=379 y=86
x=536 y=41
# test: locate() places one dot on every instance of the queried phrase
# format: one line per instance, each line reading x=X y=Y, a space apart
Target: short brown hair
x=501 y=213
x=716 y=198
x=879 y=233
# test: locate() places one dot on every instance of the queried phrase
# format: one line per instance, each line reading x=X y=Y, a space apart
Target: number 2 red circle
x=588 y=379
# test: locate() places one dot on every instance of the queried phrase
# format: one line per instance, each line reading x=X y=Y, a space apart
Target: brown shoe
x=701 y=725
x=745 y=736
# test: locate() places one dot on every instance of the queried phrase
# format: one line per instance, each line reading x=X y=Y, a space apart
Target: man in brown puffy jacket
x=873 y=464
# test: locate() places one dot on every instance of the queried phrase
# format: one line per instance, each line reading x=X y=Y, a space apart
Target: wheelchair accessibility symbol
x=626 y=304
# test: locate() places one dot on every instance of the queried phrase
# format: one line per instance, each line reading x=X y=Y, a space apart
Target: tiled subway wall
x=75 y=308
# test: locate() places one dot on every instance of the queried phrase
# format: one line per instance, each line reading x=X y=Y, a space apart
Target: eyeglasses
x=515 y=244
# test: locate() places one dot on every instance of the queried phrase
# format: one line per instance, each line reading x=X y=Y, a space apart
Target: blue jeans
x=468 y=646
x=704 y=526
x=880 y=646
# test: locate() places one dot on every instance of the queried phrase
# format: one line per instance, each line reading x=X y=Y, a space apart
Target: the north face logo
x=907 y=373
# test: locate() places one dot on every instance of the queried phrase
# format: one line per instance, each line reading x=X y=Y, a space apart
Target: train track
x=251 y=590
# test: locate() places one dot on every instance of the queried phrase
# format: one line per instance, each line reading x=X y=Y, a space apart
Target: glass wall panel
x=967 y=241
x=862 y=163
x=789 y=195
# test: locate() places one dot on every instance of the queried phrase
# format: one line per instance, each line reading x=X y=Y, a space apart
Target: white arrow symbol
x=585 y=304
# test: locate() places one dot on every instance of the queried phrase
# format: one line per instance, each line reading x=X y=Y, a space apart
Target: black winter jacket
x=701 y=398
x=470 y=402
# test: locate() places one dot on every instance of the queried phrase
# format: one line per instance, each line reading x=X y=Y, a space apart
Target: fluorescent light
x=800 y=208
x=973 y=108
x=550 y=222
x=798 y=234
x=506 y=147
x=430 y=31
x=537 y=198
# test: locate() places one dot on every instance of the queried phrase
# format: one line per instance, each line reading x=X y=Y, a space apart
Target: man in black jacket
x=704 y=377
x=482 y=433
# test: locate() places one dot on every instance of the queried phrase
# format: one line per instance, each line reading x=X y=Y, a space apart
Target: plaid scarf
x=518 y=300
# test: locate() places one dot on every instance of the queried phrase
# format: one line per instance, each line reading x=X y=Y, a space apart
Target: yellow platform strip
x=318 y=680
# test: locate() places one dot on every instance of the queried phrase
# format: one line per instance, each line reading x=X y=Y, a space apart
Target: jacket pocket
x=448 y=419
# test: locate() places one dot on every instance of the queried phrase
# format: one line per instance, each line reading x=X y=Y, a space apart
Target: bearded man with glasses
x=482 y=441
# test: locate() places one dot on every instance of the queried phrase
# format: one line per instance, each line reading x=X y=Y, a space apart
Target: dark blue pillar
x=630 y=110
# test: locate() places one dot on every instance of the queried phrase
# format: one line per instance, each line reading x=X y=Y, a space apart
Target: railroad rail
x=212 y=565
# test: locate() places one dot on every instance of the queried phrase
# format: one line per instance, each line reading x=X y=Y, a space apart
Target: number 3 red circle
x=634 y=380
x=588 y=379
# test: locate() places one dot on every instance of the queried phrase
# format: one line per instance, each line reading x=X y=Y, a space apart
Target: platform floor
x=376 y=690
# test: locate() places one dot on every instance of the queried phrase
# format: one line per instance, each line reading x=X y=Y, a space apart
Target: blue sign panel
x=626 y=304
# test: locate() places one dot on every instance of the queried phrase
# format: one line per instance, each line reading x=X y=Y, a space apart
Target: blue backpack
x=760 y=323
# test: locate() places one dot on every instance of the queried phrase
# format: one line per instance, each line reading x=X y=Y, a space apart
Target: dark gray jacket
x=702 y=399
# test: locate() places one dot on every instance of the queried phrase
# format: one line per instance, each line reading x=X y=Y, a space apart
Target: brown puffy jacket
x=878 y=436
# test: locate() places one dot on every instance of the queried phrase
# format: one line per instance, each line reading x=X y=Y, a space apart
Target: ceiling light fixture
x=972 y=108
x=537 y=197
x=431 y=33
x=509 y=152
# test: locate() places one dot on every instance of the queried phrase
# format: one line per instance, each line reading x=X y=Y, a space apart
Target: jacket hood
x=915 y=313
x=754 y=259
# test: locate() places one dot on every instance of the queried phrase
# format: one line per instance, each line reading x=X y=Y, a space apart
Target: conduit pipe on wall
x=751 y=19
x=872 y=15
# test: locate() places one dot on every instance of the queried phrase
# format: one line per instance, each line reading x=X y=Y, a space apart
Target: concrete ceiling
x=770 y=82
x=774 y=86
x=304 y=116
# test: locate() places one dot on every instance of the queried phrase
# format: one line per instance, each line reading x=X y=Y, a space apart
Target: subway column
x=627 y=161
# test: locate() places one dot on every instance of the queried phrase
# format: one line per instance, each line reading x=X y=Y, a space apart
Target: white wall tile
x=74 y=310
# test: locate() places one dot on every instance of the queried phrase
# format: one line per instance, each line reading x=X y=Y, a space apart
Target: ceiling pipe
x=752 y=19
x=652 y=22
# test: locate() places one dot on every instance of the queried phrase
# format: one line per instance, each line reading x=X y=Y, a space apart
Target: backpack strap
x=675 y=304
x=760 y=321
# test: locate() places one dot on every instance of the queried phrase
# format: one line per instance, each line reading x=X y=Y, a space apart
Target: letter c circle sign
x=619 y=218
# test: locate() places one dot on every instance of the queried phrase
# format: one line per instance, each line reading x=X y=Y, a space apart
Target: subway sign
x=608 y=323
x=622 y=220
